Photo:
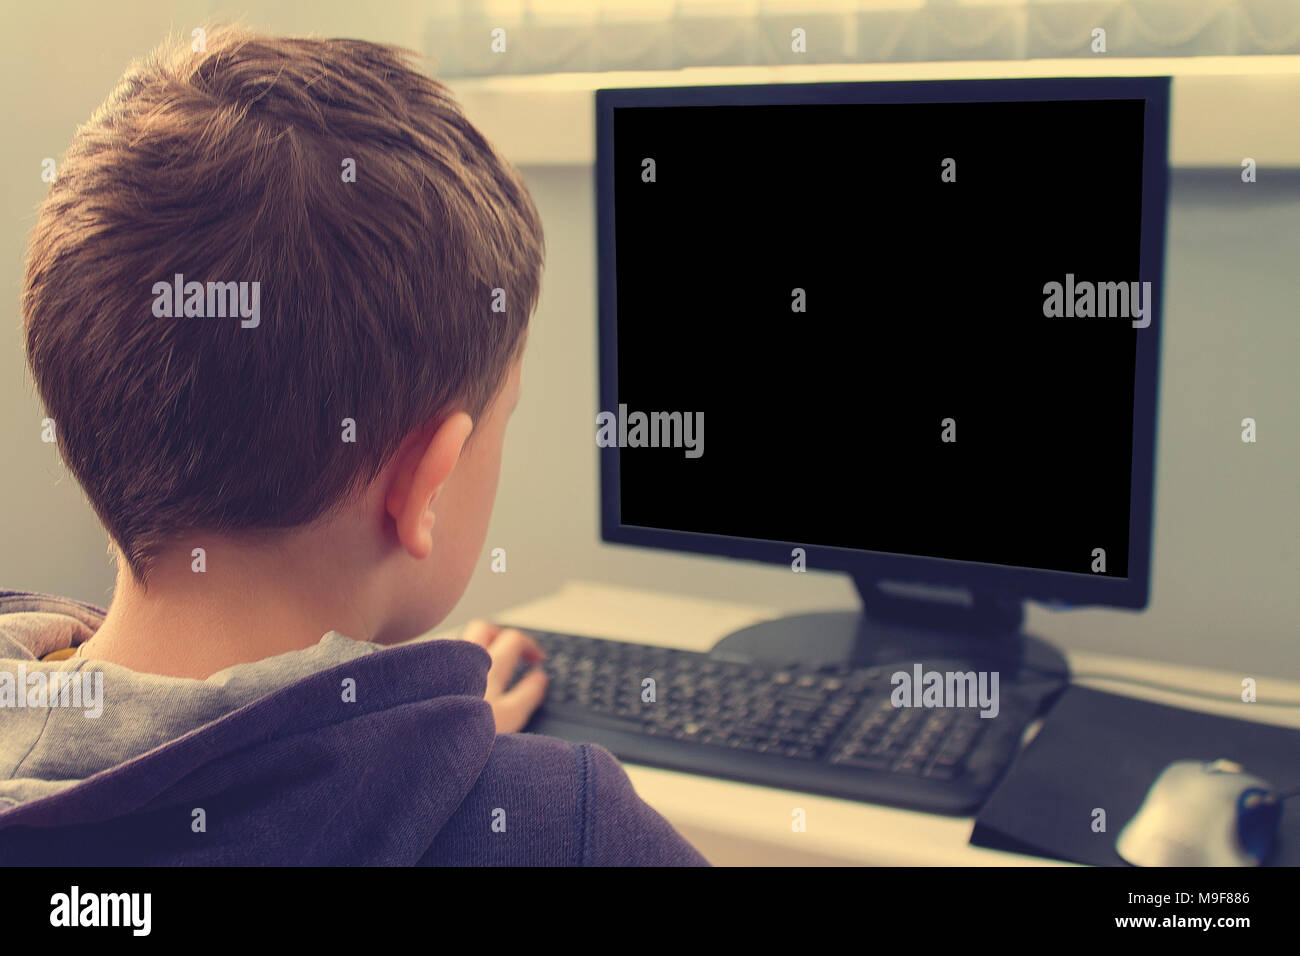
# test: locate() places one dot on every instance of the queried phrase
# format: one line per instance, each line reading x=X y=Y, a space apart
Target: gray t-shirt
x=44 y=749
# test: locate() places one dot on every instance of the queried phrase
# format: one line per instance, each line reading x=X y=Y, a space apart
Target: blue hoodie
x=344 y=753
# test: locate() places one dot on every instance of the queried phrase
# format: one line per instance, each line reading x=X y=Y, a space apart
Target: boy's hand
x=511 y=706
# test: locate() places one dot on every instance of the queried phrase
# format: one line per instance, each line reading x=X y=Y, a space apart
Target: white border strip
x=1224 y=107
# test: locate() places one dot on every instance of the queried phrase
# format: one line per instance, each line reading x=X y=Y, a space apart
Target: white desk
x=741 y=824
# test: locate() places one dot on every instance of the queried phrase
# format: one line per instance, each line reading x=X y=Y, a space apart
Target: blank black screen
x=924 y=302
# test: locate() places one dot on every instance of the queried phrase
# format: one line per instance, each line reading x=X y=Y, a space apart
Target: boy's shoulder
x=546 y=802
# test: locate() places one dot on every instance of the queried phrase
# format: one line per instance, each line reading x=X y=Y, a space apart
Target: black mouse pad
x=1102 y=750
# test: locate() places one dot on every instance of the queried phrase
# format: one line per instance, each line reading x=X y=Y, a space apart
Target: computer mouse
x=1202 y=814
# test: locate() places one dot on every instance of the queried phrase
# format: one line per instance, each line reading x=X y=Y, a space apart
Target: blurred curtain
x=555 y=36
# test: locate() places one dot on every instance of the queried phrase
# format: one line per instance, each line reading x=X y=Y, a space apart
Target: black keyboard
x=828 y=729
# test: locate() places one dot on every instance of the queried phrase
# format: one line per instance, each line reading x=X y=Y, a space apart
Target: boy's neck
x=244 y=606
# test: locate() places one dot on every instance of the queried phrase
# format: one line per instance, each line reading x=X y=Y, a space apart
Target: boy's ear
x=422 y=469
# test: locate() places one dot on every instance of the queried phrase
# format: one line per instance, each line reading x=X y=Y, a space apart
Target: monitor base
x=855 y=638
x=890 y=629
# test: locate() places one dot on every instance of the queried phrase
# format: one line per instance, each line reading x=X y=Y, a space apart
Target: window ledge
x=1223 y=108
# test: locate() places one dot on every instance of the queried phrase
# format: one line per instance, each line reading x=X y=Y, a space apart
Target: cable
x=1157 y=685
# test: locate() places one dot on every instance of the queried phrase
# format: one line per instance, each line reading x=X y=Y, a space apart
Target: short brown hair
x=377 y=295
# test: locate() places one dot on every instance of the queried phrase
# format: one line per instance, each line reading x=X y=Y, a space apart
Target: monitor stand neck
x=900 y=623
x=942 y=609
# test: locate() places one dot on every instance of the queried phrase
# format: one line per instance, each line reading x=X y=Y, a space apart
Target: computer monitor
x=907 y=330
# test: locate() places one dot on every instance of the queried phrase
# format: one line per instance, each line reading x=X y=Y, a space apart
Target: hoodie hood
x=342 y=753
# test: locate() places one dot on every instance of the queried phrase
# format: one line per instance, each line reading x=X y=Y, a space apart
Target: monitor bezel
x=1002 y=581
